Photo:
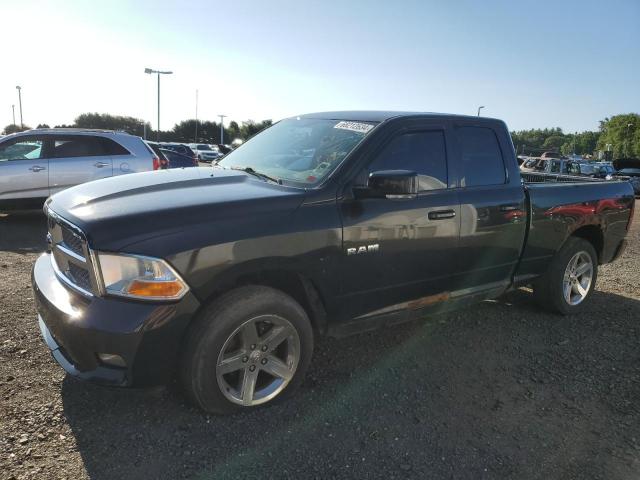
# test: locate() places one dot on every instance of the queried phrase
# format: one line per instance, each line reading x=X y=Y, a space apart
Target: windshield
x=203 y=147
x=588 y=169
x=303 y=151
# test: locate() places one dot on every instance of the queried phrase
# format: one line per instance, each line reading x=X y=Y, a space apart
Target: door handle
x=509 y=208
x=37 y=168
x=441 y=214
x=101 y=164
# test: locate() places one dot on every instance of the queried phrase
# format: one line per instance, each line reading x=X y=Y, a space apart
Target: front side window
x=421 y=152
x=21 y=149
x=482 y=162
x=555 y=167
x=302 y=151
x=80 y=146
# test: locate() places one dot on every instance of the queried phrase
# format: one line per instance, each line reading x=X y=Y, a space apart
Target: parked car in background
x=205 y=152
x=172 y=158
x=551 y=165
x=593 y=170
x=529 y=165
x=633 y=175
x=179 y=160
x=162 y=159
x=38 y=163
x=180 y=148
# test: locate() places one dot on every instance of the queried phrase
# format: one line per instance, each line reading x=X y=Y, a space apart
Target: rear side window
x=113 y=148
x=482 y=162
x=420 y=152
x=80 y=146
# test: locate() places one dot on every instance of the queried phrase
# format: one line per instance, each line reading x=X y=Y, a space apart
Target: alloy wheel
x=258 y=360
x=577 y=278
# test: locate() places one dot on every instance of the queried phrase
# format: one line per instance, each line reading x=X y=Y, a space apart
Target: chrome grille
x=71 y=258
x=72 y=241
x=80 y=276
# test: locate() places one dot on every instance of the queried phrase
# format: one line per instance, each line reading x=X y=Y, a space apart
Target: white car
x=205 y=152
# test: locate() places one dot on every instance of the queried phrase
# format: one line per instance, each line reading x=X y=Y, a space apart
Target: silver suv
x=38 y=163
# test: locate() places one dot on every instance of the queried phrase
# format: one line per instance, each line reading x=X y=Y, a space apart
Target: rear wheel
x=569 y=282
x=250 y=347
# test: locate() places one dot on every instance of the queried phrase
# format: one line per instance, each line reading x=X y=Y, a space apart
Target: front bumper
x=147 y=336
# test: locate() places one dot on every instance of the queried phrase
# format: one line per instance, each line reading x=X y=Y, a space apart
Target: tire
x=222 y=338
x=550 y=290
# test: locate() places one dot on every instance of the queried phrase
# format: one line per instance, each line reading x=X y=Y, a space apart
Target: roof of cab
x=381 y=115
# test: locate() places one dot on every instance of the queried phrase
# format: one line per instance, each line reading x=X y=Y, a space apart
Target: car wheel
x=250 y=347
x=571 y=278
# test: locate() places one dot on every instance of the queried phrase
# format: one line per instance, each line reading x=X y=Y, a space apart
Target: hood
x=117 y=211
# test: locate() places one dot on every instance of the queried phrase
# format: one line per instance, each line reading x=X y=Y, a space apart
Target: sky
x=534 y=64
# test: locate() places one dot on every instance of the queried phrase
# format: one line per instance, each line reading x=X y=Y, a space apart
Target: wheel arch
x=301 y=288
x=592 y=234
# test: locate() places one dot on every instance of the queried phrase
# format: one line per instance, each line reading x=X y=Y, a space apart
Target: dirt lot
x=498 y=391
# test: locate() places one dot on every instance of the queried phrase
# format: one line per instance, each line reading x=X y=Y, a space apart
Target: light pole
x=222 y=128
x=159 y=72
x=480 y=108
x=13 y=110
x=195 y=137
x=19 y=88
x=626 y=142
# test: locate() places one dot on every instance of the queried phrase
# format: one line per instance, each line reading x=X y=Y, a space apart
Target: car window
x=555 y=167
x=482 y=162
x=80 y=146
x=21 y=149
x=420 y=152
x=112 y=147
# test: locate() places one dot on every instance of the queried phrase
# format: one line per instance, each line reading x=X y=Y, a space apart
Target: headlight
x=136 y=276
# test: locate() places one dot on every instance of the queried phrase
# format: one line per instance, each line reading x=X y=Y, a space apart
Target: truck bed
x=560 y=205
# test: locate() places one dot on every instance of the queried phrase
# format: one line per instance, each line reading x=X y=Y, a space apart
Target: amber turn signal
x=142 y=288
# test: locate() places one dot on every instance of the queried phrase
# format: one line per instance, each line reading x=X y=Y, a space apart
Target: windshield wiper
x=261 y=175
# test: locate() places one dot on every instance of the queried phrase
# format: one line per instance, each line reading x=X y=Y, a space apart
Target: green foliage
x=553 y=142
x=536 y=141
x=105 y=121
x=622 y=133
x=209 y=132
x=15 y=128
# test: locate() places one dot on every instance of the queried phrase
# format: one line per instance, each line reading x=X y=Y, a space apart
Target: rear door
x=410 y=243
x=76 y=159
x=24 y=172
x=492 y=206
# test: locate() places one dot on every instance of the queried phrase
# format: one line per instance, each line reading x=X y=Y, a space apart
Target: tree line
x=183 y=132
x=619 y=135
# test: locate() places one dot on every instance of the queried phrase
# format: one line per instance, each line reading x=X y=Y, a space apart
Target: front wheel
x=250 y=347
x=571 y=278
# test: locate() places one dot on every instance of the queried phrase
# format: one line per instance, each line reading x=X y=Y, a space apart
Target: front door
x=24 y=173
x=76 y=159
x=401 y=250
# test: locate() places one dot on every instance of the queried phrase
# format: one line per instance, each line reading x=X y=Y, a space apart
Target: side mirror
x=389 y=184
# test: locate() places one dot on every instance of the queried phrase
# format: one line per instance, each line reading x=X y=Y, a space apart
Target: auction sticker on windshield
x=354 y=126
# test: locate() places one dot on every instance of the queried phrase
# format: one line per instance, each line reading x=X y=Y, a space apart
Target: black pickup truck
x=327 y=223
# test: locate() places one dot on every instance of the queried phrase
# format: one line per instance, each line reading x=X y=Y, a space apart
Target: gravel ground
x=501 y=390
